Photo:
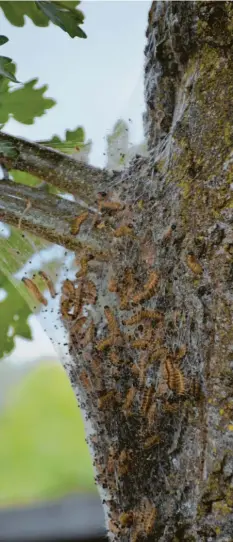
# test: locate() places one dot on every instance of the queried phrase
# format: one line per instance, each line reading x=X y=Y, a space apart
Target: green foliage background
x=43 y=453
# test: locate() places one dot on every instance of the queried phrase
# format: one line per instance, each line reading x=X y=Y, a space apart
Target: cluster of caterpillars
x=116 y=367
x=35 y=291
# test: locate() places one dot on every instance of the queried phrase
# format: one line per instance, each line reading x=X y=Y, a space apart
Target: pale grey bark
x=49 y=217
x=55 y=167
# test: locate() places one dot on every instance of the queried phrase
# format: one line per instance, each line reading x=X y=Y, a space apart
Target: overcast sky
x=94 y=81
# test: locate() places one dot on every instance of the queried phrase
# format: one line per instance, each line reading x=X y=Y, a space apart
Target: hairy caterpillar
x=193 y=264
x=151 y=441
x=123 y=230
x=110 y=205
x=143 y=314
x=148 y=289
x=77 y=222
x=129 y=399
x=49 y=283
x=35 y=290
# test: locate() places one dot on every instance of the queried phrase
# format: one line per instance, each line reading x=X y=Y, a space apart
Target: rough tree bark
x=153 y=359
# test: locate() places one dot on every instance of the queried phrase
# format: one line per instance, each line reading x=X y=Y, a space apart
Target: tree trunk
x=156 y=377
x=152 y=354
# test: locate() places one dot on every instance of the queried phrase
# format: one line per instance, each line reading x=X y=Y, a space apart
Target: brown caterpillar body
x=148 y=289
x=170 y=376
x=124 y=462
x=112 y=285
x=151 y=441
x=143 y=314
x=195 y=388
x=193 y=264
x=35 y=291
x=49 y=283
x=112 y=322
x=104 y=343
x=77 y=222
x=142 y=369
x=150 y=517
x=83 y=267
x=126 y=519
x=77 y=326
x=179 y=381
x=140 y=343
x=170 y=407
x=159 y=354
x=146 y=399
x=123 y=230
x=65 y=307
x=90 y=292
x=85 y=381
x=89 y=335
x=68 y=288
x=77 y=299
x=129 y=399
x=152 y=282
x=110 y=205
x=103 y=401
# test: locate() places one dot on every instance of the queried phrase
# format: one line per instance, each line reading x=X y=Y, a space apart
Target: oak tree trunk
x=154 y=369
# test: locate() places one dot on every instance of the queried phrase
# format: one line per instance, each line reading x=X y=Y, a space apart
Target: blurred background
x=85 y=97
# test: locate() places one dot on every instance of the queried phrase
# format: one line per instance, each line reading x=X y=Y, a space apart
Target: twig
x=65 y=172
x=28 y=206
x=48 y=216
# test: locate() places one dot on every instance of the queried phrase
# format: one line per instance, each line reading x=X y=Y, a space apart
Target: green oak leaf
x=3 y=39
x=25 y=103
x=14 y=313
x=68 y=19
x=16 y=12
x=6 y=70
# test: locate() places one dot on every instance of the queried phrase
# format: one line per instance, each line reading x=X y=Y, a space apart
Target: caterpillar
x=151 y=441
x=104 y=343
x=123 y=230
x=146 y=399
x=85 y=381
x=143 y=314
x=104 y=205
x=129 y=399
x=78 y=221
x=112 y=323
x=140 y=343
x=148 y=289
x=193 y=264
x=90 y=292
x=35 y=291
x=103 y=401
x=149 y=521
x=68 y=288
x=126 y=519
x=112 y=285
x=77 y=326
x=49 y=283
x=89 y=335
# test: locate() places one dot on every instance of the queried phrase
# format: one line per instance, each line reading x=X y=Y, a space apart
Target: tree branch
x=47 y=216
x=54 y=167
